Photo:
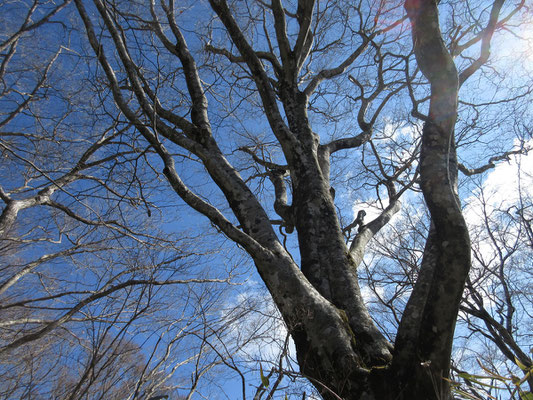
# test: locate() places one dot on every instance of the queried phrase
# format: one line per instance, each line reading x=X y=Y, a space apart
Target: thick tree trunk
x=339 y=348
x=422 y=353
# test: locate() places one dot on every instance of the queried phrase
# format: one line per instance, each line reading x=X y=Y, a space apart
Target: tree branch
x=491 y=163
x=488 y=32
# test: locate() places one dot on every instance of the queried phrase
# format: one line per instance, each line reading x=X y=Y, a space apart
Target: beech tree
x=268 y=117
x=492 y=340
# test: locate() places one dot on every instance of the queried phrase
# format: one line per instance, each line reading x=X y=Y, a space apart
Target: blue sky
x=76 y=86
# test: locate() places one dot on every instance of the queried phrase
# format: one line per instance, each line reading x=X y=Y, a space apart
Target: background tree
x=269 y=119
x=88 y=269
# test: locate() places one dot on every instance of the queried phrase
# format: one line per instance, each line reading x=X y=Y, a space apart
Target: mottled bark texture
x=338 y=345
x=424 y=341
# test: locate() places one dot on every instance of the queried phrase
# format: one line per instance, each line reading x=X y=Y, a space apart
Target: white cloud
x=504 y=183
x=256 y=323
x=370 y=296
x=493 y=206
x=502 y=188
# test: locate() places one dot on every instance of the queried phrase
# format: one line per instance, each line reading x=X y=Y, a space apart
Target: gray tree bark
x=339 y=347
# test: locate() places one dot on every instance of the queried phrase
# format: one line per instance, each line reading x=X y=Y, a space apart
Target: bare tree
x=497 y=304
x=265 y=117
x=86 y=264
x=493 y=336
